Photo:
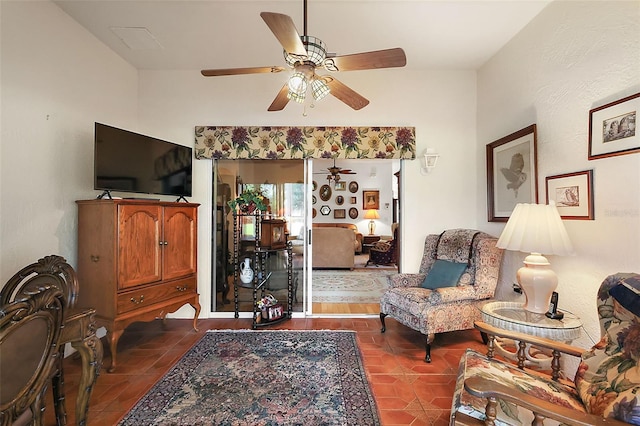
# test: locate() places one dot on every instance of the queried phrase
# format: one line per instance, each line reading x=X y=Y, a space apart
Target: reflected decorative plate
x=325 y=210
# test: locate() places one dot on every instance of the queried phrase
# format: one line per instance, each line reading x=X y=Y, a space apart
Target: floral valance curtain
x=288 y=142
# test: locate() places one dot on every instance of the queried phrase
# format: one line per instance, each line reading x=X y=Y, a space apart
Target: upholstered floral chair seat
x=431 y=302
x=606 y=384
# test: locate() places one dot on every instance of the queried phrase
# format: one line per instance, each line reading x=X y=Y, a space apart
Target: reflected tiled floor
x=407 y=390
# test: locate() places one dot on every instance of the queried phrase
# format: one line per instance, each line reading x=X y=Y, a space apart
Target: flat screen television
x=130 y=162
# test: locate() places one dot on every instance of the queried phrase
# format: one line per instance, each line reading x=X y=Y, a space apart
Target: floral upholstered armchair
x=458 y=274
x=605 y=389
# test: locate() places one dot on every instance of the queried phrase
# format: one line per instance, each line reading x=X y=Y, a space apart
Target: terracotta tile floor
x=407 y=390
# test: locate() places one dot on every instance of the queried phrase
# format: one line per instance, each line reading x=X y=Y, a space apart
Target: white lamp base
x=538 y=282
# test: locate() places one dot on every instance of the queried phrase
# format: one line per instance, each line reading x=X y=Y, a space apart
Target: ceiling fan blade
x=388 y=58
x=345 y=94
x=281 y=100
x=238 y=71
x=284 y=29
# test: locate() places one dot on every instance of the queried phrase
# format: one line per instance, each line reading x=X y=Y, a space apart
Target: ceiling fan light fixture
x=319 y=89
x=297 y=83
x=316 y=52
x=298 y=97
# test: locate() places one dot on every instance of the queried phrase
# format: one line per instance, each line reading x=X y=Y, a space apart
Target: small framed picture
x=353 y=200
x=353 y=186
x=512 y=175
x=573 y=194
x=340 y=186
x=339 y=200
x=612 y=128
x=371 y=200
x=339 y=214
x=353 y=213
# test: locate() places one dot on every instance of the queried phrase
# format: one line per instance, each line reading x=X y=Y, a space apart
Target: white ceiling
x=446 y=34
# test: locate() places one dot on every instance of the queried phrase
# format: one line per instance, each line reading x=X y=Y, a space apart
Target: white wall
x=573 y=57
x=440 y=104
x=56 y=80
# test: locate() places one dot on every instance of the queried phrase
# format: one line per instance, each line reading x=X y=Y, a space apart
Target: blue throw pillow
x=443 y=274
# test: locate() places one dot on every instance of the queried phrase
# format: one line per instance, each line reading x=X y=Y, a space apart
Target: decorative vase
x=246 y=273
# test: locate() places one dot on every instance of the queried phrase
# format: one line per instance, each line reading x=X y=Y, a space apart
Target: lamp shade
x=536 y=228
x=372 y=214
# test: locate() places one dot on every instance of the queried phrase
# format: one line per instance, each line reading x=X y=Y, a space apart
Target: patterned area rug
x=349 y=286
x=270 y=377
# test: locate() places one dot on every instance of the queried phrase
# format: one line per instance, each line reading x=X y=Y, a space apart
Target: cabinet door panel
x=139 y=248
x=180 y=236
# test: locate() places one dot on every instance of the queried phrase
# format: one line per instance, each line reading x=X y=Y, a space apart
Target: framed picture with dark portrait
x=325 y=192
x=371 y=199
x=512 y=175
x=339 y=200
x=353 y=187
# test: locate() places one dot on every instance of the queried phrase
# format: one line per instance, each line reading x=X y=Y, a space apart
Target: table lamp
x=372 y=214
x=536 y=229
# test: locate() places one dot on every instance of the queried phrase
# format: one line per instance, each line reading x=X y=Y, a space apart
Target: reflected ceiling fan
x=335 y=172
x=304 y=55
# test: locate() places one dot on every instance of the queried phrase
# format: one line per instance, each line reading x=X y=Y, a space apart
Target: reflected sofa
x=358 y=235
x=332 y=248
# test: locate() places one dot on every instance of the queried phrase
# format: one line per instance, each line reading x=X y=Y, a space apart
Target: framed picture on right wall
x=573 y=194
x=612 y=128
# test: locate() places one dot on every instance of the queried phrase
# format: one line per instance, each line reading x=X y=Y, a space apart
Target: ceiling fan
x=335 y=172
x=305 y=54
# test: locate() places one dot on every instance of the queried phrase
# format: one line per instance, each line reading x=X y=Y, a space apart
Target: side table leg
x=90 y=350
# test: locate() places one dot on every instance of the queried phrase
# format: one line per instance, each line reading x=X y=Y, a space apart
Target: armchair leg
x=427 y=346
x=384 y=328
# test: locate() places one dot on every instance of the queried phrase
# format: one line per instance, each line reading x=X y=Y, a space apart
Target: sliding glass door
x=233 y=241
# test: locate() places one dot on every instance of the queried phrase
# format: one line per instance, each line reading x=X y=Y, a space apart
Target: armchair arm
x=540 y=342
x=406 y=280
x=556 y=348
x=487 y=388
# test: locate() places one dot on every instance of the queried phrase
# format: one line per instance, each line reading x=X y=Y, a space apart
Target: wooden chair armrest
x=540 y=342
x=483 y=388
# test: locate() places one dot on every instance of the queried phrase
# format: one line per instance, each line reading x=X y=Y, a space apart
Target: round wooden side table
x=511 y=316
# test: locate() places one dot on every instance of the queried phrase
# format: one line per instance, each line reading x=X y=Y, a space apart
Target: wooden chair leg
x=428 y=341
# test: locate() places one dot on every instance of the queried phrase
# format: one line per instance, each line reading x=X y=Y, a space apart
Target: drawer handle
x=185 y=288
x=95 y=258
x=137 y=302
x=164 y=243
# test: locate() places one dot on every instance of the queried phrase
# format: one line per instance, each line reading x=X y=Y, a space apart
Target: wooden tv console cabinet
x=137 y=261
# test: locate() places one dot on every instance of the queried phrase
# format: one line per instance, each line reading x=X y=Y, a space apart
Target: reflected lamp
x=372 y=214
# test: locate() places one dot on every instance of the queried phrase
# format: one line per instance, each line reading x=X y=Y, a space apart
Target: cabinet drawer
x=147 y=296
